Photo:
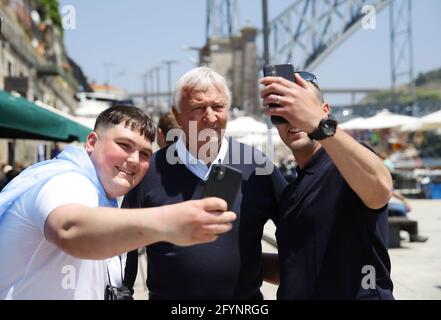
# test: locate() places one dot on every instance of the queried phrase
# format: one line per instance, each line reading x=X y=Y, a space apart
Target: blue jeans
x=396 y=209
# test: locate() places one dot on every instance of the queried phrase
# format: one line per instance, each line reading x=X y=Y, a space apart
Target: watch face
x=329 y=126
x=326 y=129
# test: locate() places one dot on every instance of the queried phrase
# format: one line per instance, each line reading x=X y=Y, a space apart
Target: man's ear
x=160 y=133
x=326 y=107
x=177 y=115
x=160 y=138
x=91 y=140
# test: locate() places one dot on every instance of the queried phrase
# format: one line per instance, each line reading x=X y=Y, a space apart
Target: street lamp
x=266 y=56
x=152 y=85
x=144 y=87
x=169 y=63
x=158 y=83
x=185 y=47
x=203 y=52
x=107 y=65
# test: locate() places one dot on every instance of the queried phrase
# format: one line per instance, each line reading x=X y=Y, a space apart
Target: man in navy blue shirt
x=332 y=226
x=230 y=267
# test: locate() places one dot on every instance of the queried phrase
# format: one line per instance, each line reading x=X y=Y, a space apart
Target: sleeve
x=62 y=189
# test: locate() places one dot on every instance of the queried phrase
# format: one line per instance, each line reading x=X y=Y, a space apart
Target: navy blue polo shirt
x=228 y=268
x=328 y=240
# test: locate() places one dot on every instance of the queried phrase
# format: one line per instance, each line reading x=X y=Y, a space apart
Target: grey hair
x=199 y=79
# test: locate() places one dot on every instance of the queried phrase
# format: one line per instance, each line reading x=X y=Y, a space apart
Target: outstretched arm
x=363 y=170
x=98 y=233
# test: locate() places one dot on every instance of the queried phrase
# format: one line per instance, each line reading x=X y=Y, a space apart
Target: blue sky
x=136 y=35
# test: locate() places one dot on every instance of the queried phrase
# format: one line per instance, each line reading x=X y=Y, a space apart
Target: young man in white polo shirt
x=59 y=219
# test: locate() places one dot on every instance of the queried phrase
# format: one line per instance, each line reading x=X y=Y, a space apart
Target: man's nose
x=133 y=157
x=210 y=115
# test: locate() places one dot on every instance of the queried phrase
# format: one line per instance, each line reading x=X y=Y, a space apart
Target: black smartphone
x=223 y=182
x=279 y=70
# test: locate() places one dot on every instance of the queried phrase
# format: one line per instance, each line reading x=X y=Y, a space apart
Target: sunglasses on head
x=308 y=76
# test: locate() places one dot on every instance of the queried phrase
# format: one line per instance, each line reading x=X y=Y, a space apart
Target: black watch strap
x=326 y=128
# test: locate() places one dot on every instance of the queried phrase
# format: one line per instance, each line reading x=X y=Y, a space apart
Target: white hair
x=200 y=79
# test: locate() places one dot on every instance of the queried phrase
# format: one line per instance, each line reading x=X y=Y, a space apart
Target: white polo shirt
x=33 y=268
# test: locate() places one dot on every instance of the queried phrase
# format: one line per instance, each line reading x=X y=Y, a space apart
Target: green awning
x=23 y=119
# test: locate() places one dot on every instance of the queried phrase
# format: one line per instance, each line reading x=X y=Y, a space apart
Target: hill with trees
x=428 y=88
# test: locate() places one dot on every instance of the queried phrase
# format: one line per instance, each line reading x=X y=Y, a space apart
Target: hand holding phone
x=224 y=182
x=279 y=70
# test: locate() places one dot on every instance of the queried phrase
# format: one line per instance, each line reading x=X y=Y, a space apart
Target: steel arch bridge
x=309 y=30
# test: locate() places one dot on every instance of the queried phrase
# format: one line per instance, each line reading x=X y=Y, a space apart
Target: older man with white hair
x=230 y=267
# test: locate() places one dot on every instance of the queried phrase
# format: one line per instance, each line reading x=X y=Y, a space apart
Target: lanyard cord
x=108 y=273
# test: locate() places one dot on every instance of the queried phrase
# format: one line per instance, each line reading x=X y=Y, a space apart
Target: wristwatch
x=326 y=128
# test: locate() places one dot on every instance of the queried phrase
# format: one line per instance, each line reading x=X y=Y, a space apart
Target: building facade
x=34 y=64
x=236 y=59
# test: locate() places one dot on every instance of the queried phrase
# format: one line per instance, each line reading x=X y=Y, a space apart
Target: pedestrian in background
x=167 y=122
